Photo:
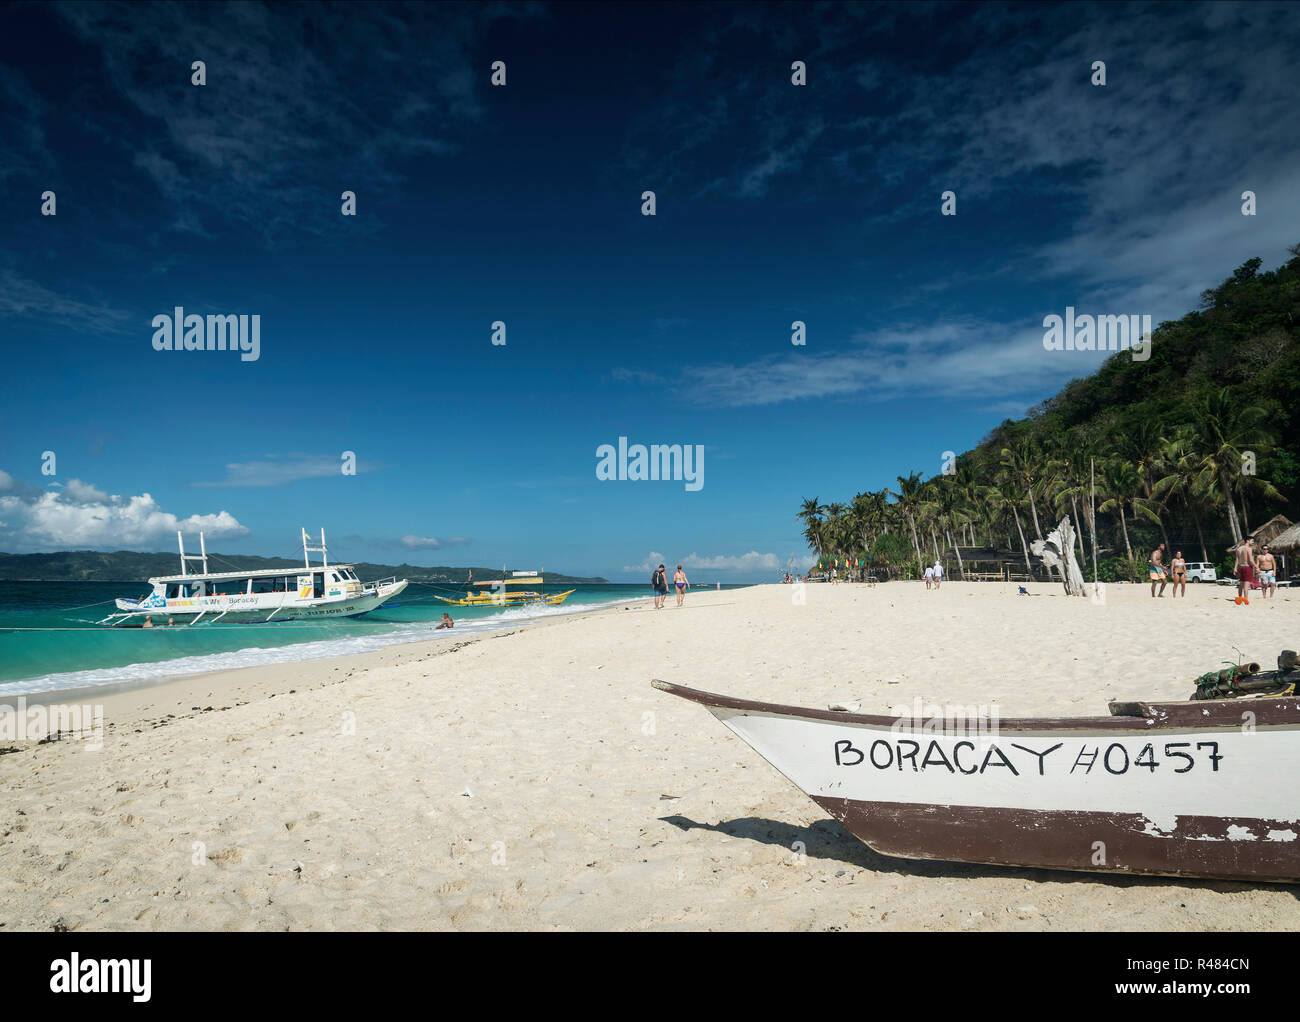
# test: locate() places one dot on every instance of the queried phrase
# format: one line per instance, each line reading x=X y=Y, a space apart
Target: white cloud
x=281 y=469
x=83 y=517
x=83 y=493
x=751 y=562
x=966 y=359
x=430 y=542
x=6 y=481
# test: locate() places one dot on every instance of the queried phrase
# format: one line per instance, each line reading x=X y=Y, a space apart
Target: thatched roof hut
x=1287 y=541
x=1271 y=531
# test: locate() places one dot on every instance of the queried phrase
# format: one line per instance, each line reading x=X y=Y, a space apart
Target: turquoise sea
x=50 y=639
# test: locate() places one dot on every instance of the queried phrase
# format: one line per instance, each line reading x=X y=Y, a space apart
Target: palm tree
x=1228 y=432
x=909 y=500
x=1122 y=487
x=1004 y=502
x=814 y=527
x=1022 y=463
x=1179 y=455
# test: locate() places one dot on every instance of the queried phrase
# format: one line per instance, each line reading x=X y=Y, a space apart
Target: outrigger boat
x=1202 y=788
x=500 y=594
x=255 y=597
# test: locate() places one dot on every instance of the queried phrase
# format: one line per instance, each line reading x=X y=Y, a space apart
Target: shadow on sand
x=828 y=839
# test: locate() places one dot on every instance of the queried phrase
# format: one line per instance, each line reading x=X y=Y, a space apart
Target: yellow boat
x=500 y=594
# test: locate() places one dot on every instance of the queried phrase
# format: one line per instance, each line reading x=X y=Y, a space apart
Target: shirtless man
x=446 y=622
x=1157 y=572
x=1245 y=554
x=1267 y=573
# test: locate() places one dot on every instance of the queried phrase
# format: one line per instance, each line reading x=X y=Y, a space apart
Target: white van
x=1200 y=571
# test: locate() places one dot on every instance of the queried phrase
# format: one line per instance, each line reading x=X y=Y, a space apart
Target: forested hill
x=1195 y=446
x=128 y=566
x=1239 y=351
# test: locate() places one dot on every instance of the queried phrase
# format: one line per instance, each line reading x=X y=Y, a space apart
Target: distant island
x=129 y=566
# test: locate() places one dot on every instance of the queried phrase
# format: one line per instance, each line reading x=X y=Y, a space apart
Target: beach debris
x=664 y=798
x=845 y=707
x=467 y=793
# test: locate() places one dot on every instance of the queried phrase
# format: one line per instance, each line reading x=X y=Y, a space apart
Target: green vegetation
x=1194 y=447
x=128 y=566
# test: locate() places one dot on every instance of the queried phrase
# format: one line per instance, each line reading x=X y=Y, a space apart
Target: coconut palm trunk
x=1232 y=506
x=1023 y=545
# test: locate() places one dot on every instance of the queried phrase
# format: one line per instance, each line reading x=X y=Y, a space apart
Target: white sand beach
x=534 y=780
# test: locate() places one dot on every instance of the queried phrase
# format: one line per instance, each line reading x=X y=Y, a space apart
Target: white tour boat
x=253 y=597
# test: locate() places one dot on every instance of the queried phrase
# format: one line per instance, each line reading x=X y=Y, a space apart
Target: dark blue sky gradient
x=522 y=204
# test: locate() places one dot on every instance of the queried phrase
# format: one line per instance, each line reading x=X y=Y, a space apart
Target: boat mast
x=324 y=555
x=202 y=555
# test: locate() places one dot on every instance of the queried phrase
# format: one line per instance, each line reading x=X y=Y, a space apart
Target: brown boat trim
x=1206 y=713
x=1094 y=842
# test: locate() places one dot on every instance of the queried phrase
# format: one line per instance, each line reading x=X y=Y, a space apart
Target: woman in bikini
x=1180 y=573
x=682 y=583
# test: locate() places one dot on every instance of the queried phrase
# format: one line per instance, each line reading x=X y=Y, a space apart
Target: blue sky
x=522 y=204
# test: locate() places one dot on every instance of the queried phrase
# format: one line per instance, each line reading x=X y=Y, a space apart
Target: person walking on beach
x=938 y=574
x=682 y=583
x=1245 y=564
x=1157 y=571
x=659 y=583
x=1267 y=573
x=929 y=576
x=1179 y=567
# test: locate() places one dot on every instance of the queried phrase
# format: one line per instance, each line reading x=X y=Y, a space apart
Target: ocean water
x=50 y=638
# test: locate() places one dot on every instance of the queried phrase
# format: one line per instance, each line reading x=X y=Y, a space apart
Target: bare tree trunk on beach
x=1057 y=552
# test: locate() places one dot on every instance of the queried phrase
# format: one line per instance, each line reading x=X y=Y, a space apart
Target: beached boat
x=1201 y=788
x=501 y=595
x=316 y=592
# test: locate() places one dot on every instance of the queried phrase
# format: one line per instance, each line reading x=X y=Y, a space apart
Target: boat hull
x=1182 y=789
x=516 y=600
x=258 y=609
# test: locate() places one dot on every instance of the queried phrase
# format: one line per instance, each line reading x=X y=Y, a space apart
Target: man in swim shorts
x=1245 y=554
x=1267 y=573
x=1157 y=570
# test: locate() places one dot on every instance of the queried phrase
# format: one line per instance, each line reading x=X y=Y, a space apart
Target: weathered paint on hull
x=1183 y=789
x=1199 y=846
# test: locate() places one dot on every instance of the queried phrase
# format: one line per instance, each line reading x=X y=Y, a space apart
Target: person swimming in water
x=446 y=622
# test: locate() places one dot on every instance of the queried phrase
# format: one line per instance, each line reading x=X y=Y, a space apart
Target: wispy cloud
x=279 y=99
x=282 y=469
x=26 y=299
x=752 y=562
x=957 y=359
x=431 y=542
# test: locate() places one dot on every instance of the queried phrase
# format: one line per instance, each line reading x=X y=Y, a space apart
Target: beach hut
x=1286 y=544
x=1270 y=531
